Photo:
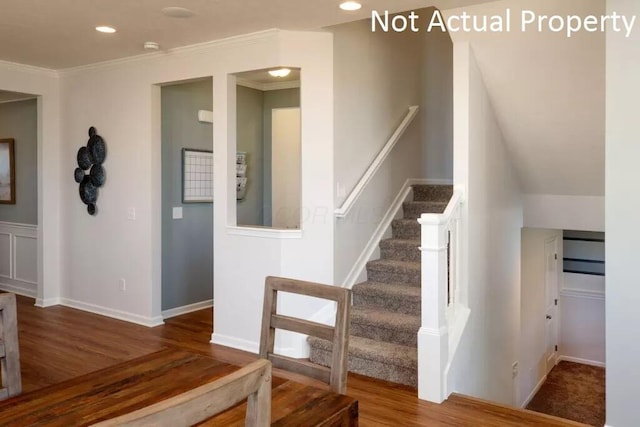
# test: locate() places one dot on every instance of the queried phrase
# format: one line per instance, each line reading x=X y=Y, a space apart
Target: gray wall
x=19 y=120
x=284 y=98
x=249 y=139
x=437 y=102
x=187 y=244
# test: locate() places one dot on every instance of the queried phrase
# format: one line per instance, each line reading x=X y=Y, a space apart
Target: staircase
x=385 y=316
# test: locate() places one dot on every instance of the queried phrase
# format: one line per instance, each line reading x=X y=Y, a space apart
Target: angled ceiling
x=548 y=92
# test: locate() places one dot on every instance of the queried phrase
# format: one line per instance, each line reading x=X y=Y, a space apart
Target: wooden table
x=140 y=382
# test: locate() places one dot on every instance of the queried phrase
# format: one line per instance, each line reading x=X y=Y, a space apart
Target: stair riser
x=401 y=253
x=406 y=231
x=370 y=368
x=382 y=333
x=415 y=210
x=394 y=305
x=438 y=193
x=410 y=278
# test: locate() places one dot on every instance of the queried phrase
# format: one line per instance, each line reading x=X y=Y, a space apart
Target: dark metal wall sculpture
x=90 y=173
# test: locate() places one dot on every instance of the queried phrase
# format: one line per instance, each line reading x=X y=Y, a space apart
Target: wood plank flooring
x=60 y=343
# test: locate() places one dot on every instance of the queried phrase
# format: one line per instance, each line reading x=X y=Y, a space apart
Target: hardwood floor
x=60 y=343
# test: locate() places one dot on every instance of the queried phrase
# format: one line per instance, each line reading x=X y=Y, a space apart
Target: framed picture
x=7 y=172
x=197 y=176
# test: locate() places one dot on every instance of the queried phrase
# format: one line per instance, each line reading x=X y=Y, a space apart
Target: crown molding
x=31 y=69
x=182 y=50
x=268 y=86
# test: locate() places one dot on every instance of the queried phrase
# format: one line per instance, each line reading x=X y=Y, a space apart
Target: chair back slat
x=303 y=367
x=338 y=335
x=253 y=382
x=319 y=330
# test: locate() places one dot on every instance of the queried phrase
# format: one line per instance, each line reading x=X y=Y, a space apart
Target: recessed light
x=280 y=72
x=350 y=5
x=105 y=29
x=177 y=12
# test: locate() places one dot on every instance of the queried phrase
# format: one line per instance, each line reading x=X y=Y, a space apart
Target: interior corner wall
x=19 y=120
x=531 y=358
x=377 y=77
x=250 y=140
x=622 y=227
x=46 y=85
x=437 y=102
x=187 y=243
x=491 y=229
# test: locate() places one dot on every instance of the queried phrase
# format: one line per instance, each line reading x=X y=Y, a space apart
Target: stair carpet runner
x=385 y=316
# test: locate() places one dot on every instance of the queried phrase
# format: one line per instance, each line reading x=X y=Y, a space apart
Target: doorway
x=187 y=197
x=19 y=171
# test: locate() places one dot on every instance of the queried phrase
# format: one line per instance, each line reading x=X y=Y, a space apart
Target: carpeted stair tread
x=364 y=348
x=381 y=325
x=406 y=229
x=415 y=209
x=394 y=297
x=400 y=249
x=440 y=193
x=393 y=271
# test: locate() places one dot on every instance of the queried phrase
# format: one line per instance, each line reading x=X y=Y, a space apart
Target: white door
x=551 y=293
x=285 y=167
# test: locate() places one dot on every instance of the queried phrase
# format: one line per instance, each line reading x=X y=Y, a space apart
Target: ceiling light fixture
x=151 y=46
x=105 y=29
x=350 y=5
x=177 y=12
x=280 y=72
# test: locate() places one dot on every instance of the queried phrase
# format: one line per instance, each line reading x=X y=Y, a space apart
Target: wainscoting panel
x=19 y=258
x=5 y=255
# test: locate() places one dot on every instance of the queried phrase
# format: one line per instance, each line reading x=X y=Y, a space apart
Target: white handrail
x=343 y=210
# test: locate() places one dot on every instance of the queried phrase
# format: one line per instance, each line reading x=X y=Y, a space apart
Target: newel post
x=433 y=339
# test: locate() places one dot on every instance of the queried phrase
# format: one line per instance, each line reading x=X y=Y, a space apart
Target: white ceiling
x=548 y=92
x=61 y=34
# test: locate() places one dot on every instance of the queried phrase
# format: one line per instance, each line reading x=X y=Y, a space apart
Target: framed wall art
x=197 y=176
x=7 y=172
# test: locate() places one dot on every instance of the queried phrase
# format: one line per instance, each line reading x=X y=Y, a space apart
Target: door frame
x=555 y=308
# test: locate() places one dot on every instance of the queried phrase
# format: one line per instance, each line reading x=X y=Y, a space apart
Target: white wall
x=582 y=327
x=122 y=100
x=19 y=258
x=377 y=77
x=622 y=225
x=45 y=83
x=564 y=212
x=533 y=331
x=491 y=221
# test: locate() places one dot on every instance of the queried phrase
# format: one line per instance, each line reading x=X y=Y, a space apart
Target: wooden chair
x=253 y=382
x=9 y=350
x=336 y=376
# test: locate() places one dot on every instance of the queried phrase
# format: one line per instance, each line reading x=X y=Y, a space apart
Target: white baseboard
x=19 y=290
x=582 y=361
x=438 y=181
x=178 y=311
x=372 y=245
x=48 y=302
x=113 y=313
x=237 y=343
x=535 y=390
